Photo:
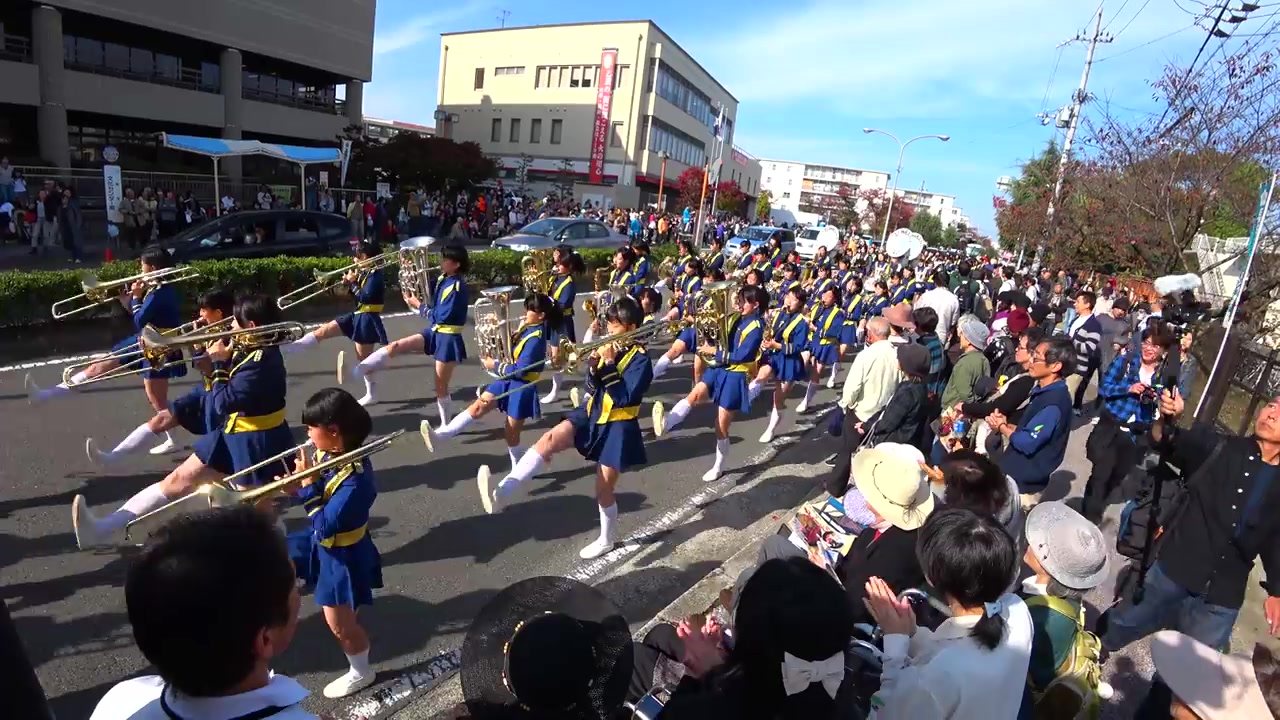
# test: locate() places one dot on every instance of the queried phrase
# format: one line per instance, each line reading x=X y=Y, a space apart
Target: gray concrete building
x=78 y=75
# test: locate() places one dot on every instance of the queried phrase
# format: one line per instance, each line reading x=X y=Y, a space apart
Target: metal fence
x=1248 y=380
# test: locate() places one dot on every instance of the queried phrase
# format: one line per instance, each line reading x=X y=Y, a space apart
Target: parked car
x=574 y=232
x=759 y=235
x=811 y=238
x=263 y=233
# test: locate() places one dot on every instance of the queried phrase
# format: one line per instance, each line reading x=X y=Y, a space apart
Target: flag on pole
x=345 y=160
x=719 y=123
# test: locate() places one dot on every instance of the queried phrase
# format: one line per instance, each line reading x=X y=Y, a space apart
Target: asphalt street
x=442 y=556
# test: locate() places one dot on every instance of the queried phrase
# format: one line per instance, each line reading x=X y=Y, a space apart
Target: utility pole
x=1073 y=121
x=502 y=17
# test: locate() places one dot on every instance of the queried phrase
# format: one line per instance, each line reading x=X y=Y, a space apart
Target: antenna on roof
x=502 y=17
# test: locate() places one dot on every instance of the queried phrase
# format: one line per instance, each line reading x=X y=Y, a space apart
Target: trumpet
x=326 y=281
x=136 y=366
x=96 y=292
x=223 y=493
x=155 y=345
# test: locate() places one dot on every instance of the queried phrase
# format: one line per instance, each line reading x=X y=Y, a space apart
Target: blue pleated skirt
x=519 y=405
x=444 y=347
x=228 y=452
x=826 y=354
x=189 y=411
x=849 y=334
x=364 y=328
x=618 y=445
x=728 y=389
x=345 y=576
x=786 y=368
x=174 y=369
x=689 y=337
x=565 y=329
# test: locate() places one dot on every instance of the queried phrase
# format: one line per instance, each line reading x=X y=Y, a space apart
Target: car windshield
x=756 y=234
x=810 y=234
x=195 y=233
x=545 y=227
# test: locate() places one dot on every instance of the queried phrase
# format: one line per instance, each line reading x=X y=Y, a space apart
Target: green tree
x=565 y=178
x=951 y=237
x=929 y=226
x=764 y=205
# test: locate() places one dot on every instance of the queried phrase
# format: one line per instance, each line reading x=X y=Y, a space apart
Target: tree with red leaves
x=874 y=204
x=730 y=198
x=689 y=187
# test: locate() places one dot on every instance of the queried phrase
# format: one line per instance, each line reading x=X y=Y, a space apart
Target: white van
x=809 y=239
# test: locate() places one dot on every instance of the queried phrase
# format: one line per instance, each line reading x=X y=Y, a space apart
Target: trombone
x=156 y=345
x=132 y=367
x=326 y=281
x=223 y=493
x=95 y=292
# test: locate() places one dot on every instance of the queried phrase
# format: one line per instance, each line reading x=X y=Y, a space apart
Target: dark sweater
x=1038 y=445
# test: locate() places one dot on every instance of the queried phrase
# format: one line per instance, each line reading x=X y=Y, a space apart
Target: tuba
x=537 y=271
x=714 y=316
x=599 y=281
x=493 y=324
x=415 y=267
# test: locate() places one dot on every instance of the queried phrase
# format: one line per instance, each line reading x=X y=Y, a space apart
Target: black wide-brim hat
x=562 y=645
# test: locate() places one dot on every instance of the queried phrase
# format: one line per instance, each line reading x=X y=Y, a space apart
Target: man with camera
x=1128 y=394
x=1204 y=555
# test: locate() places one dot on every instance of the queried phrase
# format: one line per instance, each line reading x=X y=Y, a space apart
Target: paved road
x=443 y=557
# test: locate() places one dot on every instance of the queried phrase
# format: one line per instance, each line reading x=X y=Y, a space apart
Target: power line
x=1044 y=102
x=1145 y=44
x=1177 y=89
x=1135 y=17
x=1117 y=15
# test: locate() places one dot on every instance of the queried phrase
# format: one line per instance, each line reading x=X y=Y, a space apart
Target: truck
x=794 y=219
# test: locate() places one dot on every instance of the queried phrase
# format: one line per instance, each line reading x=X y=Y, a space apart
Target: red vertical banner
x=604 y=105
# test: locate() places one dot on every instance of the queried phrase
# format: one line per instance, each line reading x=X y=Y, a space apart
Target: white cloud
x=415 y=30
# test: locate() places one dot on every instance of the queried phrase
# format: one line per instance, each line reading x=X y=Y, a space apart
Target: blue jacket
x=1037 y=447
x=714 y=262
x=826 y=324
x=744 y=342
x=159 y=307
x=792 y=330
x=369 y=291
x=450 y=307
x=338 y=503
x=617 y=388
x=563 y=291
x=251 y=385
x=530 y=354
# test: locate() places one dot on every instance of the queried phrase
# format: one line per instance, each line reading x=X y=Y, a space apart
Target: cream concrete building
x=808 y=187
x=528 y=96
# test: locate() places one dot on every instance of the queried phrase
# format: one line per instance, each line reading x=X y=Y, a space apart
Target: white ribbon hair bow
x=798 y=674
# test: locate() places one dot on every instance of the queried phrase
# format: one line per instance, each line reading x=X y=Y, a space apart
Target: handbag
x=835 y=423
x=1137 y=526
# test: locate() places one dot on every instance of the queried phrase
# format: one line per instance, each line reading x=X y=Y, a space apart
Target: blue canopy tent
x=217 y=148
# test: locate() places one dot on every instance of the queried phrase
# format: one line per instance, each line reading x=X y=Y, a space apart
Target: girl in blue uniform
x=685 y=250
x=529 y=356
x=606 y=430
x=825 y=325
x=762 y=264
x=788 y=334
x=564 y=293
x=446 y=315
x=821 y=258
x=686 y=287
x=745 y=257
x=715 y=259
x=640 y=268
x=363 y=326
x=899 y=292
x=878 y=302
x=188 y=411
x=621 y=274
x=245 y=412
x=854 y=305
x=336 y=554
x=790 y=279
x=725 y=382
x=650 y=305
x=773 y=250
x=821 y=285
x=159 y=307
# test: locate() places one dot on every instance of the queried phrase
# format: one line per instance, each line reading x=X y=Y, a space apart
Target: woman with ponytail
x=969 y=667
x=567 y=264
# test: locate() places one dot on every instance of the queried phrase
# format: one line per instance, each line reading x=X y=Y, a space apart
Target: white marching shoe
x=85 y=525
x=488 y=498
x=598 y=547
x=424 y=428
x=713 y=474
x=96 y=456
x=166 y=447
x=342 y=365
x=659 y=419
x=767 y=436
x=348 y=684
x=831 y=381
x=575 y=397
x=803 y=406
x=549 y=398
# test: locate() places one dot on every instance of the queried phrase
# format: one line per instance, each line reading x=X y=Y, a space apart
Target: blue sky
x=810 y=74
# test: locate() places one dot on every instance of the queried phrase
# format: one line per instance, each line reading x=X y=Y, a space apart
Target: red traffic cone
x=109 y=257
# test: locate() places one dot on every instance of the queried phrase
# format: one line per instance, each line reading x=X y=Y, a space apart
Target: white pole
x=217 y=194
x=1255 y=237
x=902 y=149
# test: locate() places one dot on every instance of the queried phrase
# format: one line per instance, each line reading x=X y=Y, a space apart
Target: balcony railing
x=186 y=78
x=304 y=102
x=15 y=48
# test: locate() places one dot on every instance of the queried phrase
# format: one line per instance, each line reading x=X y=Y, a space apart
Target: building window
x=679 y=145
x=515 y=130
x=557 y=128
x=535 y=130
x=786 y=196
x=678 y=91
x=496 y=134
x=518 y=70
x=615 y=139
x=479 y=78
x=575 y=76
x=589 y=74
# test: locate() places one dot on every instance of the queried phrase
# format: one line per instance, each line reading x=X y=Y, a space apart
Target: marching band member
x=246 y=412
x=189 y=411
x=685 y=252
x=790 y=279
x=899 y=292
x=159 y=307
x=854 y=305
x=825 y=325
x=878 y=302
x=755 y=277
x=623 y=262
x=605 y=430
x=363 y=326
x=336 y=554
x=820 y=257
x=773 y=250
x=446 y=314
x=725 y=383
x=821 y=285
x=842 y=273
x=744 y=257
x=650 y=304
x=788 y=335
x=565 y=294
x=640 y=269
x=690 y=284
x=715 y=261
x=762 y=264
x=528 y=356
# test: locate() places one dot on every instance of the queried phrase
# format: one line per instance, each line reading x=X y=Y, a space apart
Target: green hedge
x=26 y=296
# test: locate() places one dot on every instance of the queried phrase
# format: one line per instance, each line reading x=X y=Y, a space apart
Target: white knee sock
x=608 y=523
x=835 y=370
x=360 y=664
x=660 y=367
x=722 y=451
x=140 y=435
x=368 y=391
x=302 y=343
x=809 y=390
x=150 y=498
x=676 y=415
x=515 y=452
x=774 y=416
x=455 y=426
x=525 y=469
x=754 y=390
x=444 y=407
x=375 y=362
x=555 y=388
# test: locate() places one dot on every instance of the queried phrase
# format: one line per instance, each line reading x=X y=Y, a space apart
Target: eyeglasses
x=1038 y=357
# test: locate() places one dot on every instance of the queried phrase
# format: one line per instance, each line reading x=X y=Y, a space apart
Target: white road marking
x=393 y=697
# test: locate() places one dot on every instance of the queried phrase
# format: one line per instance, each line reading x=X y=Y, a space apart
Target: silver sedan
x=574 y=232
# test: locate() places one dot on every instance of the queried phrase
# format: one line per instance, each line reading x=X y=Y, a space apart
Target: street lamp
x=902 y=148
x=662 y=180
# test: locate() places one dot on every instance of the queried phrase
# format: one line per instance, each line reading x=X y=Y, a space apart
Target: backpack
x=967 y=296
x=1077 y=678
x=1136 y=521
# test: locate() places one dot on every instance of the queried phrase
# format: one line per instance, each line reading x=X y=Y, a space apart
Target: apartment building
x=383 y=130
x=604 y=105
x=813 y=188
x=79 y=75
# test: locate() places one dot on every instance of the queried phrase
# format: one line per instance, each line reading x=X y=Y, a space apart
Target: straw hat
x=890 y=477
x=1216 y=686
